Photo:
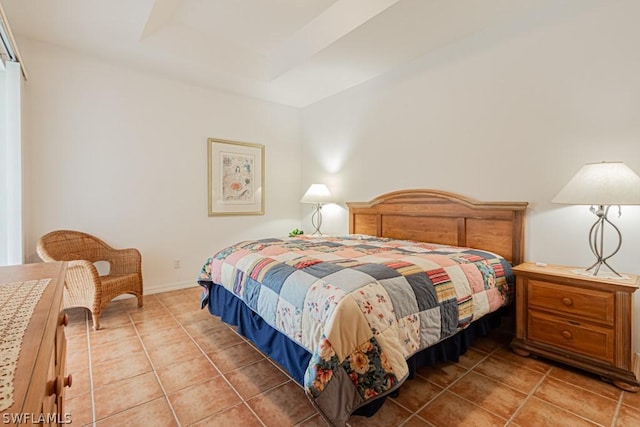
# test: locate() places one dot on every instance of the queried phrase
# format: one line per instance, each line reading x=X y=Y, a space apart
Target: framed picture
x=236 y=178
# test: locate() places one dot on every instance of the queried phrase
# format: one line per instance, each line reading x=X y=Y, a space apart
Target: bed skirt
x=295 y=359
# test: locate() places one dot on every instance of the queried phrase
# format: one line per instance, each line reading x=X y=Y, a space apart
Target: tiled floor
x=171 y=364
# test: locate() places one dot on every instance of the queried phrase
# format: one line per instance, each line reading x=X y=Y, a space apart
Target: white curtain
x=11 y=231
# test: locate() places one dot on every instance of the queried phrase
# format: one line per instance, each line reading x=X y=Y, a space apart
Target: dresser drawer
x=586 y=304
x=587 y=339
x=50 y=399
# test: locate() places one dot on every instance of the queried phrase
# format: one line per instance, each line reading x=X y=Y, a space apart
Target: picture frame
x=236 y=177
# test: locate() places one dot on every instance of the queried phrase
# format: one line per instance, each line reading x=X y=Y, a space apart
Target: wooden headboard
x=446 y=218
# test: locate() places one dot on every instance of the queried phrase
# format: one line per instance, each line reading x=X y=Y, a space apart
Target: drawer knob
x=567 y=301
x=62 y=382
x=566 y=334
x=64 y=320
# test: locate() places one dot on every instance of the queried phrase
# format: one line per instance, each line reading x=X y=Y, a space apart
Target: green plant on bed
x=296 y=232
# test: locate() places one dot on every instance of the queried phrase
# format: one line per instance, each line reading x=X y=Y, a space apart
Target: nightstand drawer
x=587 y=304
x=587 y=339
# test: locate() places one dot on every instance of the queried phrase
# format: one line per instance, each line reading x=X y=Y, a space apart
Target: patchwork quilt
x=360 y=305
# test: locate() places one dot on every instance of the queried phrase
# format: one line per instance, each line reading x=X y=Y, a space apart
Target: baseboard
x=165 y=287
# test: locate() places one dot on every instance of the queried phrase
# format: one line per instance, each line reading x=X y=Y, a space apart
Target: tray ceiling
x=294 y=52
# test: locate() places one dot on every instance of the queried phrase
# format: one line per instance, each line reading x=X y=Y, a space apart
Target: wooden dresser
x=583 y=321
x=39 y=381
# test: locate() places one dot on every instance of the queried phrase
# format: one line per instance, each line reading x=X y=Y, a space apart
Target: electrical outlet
x=177 y=263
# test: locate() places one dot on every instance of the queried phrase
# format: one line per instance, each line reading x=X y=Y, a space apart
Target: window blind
x=11 y=198
x=8 y=47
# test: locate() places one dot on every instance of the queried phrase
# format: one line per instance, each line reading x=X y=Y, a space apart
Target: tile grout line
x=529 y=395
x=584 y=390
x=491 y=353
x=549 y=375
x=412 y=415
x=427 y=403
x=278 y=367
x=587 y=390
x=212 y=364
x=306 y=419
x=536 y=387
x=471 y=369
x=153 y=367
x=88 y=336
x=132 y=323
x=616 y=413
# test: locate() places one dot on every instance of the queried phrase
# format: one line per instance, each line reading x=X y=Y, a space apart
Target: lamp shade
x=605 y=183
x=317 y=193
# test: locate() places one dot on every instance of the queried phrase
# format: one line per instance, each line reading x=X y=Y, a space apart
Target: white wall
x=508 y=114
x=122 y=154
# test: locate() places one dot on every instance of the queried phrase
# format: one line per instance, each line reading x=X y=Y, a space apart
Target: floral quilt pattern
x=360 y=305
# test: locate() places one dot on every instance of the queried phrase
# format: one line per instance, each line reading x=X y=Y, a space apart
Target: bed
x=350 y=316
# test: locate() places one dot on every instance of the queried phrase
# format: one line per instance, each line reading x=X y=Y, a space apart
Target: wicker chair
x=83 y=286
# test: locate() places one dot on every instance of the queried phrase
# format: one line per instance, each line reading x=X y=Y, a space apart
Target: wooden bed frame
x=446 y=218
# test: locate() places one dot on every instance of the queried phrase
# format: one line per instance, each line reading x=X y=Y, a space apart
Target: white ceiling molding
x=160 y=14
x=294 y=52
x=337 y=21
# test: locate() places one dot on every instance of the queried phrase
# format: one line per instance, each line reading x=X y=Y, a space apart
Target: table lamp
x=601 y=186
x=317 y=194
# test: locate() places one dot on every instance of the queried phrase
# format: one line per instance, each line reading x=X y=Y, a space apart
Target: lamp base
x=596 y=241
x=316 y=221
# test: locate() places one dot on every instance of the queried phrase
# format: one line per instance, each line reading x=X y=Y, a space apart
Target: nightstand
x=583 y=321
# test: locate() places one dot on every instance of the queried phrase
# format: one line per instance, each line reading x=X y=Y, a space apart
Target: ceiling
x=294 y=52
